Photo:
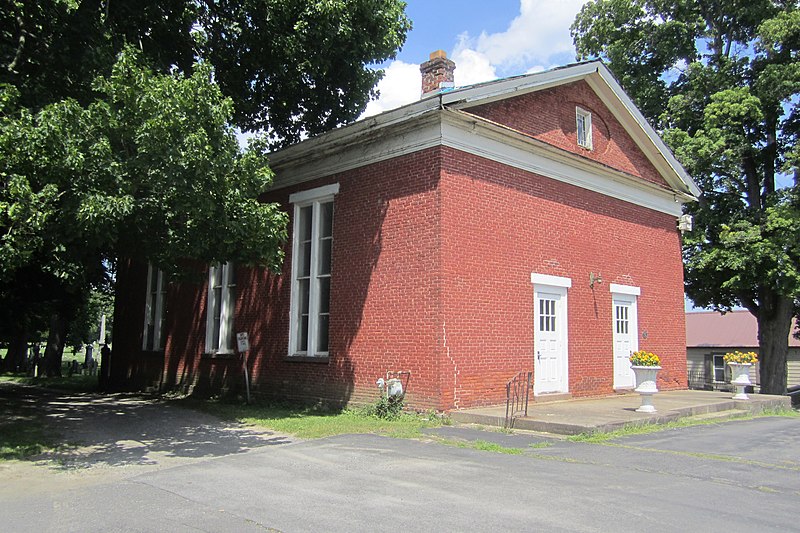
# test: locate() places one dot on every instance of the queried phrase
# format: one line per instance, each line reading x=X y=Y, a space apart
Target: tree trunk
x=55 y=345
x=774 y=324
x=15 y=360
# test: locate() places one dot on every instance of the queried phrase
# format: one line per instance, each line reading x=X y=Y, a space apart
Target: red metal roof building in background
x=709 y=335
x=735 y=329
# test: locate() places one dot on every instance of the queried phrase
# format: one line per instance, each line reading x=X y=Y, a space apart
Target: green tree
x=106 y=153
x=152 y=169
x=292 y=67
x=720 y=80
x=85 y=326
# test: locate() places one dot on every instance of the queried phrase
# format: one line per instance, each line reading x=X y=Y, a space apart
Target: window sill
x=306 y=359
x=219 y=355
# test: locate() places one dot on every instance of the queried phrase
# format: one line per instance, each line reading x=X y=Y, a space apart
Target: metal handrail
x=517 y=391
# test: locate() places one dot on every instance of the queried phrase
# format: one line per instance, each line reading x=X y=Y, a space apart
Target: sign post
x=243 y=345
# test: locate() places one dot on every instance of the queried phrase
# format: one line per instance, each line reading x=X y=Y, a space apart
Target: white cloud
x=400 y=85
x=535 y=36
x=472 y=66
x=538 y=36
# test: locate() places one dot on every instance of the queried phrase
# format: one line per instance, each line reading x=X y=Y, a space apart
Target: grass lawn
x=23 y=431
x=76 y=383
x=314 y=422
x=20 y=439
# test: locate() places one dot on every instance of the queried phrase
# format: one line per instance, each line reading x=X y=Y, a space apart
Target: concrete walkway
x=593 y=415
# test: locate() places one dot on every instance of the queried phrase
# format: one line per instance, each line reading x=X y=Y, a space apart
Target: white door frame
x=628 y=296
x=555 y=285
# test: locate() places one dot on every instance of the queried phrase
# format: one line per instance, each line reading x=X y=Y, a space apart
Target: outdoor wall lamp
x=685 y=223
x=594 y=278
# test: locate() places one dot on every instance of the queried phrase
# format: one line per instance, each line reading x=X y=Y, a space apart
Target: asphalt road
x=733 y=476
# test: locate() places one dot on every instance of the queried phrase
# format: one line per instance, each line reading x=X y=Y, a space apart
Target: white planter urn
x=646 y=386
x=740 y=378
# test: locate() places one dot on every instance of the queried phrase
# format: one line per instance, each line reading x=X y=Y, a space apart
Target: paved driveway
x=734 y=476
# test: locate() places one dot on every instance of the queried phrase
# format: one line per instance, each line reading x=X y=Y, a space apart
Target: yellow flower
x=741 y=358
x=643 y=358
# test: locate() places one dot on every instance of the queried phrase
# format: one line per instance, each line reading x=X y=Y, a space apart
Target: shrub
x=387 y=408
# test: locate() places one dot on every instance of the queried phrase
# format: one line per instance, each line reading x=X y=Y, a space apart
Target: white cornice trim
x=474 y=135
x=314 y=194
x=632 y=120
x=426 y=124
x=625 y=289
x=340 y=155
x=602 y=81
x=477 y=136
x=551 y=281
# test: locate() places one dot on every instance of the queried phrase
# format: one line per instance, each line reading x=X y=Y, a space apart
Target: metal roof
x=735 y=329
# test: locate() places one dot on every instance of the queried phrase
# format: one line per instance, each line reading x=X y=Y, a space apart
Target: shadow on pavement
x=124 y=429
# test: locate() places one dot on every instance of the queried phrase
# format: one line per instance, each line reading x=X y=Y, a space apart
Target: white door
x=550 y=340
x=625 y=339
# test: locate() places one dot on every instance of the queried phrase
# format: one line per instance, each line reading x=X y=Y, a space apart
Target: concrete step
x=551 y=397
x=572 y=417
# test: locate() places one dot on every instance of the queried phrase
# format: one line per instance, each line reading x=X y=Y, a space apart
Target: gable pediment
x=552 y=97
x=527 y=122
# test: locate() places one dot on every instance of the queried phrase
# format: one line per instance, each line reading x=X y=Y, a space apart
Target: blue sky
x=487 y=39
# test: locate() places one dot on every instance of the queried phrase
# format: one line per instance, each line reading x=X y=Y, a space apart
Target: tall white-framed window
x=583 y=122
x=153 y=332
x=219 y=320
x=312 y=247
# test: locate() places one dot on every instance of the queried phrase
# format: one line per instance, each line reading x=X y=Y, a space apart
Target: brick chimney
x=437 y=73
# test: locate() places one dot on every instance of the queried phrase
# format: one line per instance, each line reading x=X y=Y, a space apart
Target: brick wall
x=181 y=364
x=432 y=258
x=131 y=369
x=384 y=294
x=521 y=223
x=384 y=300
x=549 y=116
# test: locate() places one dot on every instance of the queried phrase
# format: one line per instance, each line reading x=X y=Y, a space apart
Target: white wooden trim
x=313 y=283
x=415 y=127
x=157 y=330
x=324 y=157
x=314 y=194
x=471 y=134
x=210 y=310
x=155 y=283
x=489 y=141
x=552 y=281
x=293 y=303
x=562 y=325
x=630 y=298
x=587 y=127
x=225 y=312
x=625 y=289
x=658 y=153
x=148 y=303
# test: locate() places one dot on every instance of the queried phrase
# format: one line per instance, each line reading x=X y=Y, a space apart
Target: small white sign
x=242 y=342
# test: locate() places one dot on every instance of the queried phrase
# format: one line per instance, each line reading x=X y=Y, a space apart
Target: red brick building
x=523 y=224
